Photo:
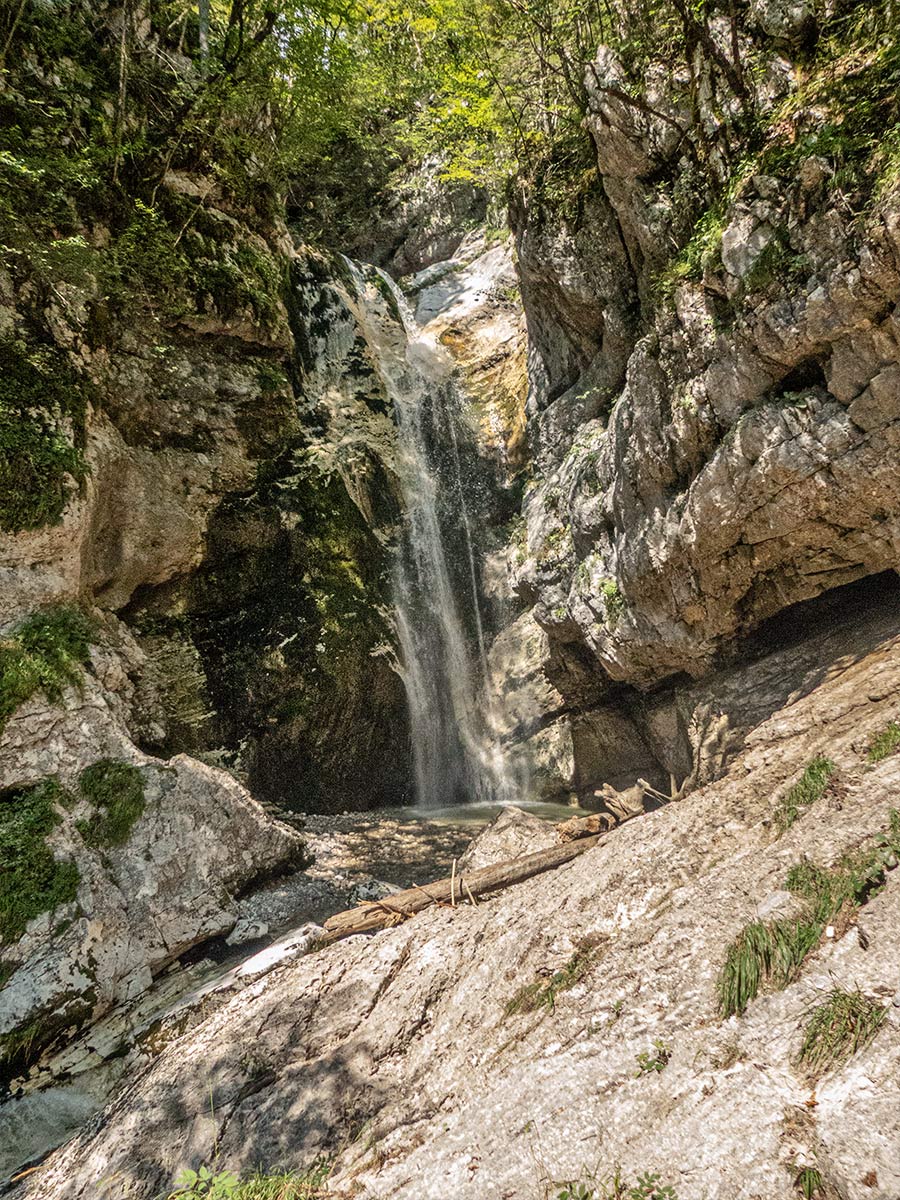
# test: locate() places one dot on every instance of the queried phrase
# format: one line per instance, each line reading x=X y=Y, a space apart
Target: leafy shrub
x=32 y=880
x=116 y=790
x=44 y=654
x=809 y=788
x=844 y=1023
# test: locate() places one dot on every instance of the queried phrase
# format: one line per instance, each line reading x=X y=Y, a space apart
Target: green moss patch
x=44 y=654
x=42 y=407
x=33 y=881
x=116 y=789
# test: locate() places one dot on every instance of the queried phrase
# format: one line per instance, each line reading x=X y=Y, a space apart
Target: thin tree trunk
x=122 y=96
x=203 y=11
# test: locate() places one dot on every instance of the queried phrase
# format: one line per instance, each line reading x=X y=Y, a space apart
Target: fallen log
x=397 y=907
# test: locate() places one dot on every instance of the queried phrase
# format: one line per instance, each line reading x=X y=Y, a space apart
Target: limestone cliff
x=711 y=299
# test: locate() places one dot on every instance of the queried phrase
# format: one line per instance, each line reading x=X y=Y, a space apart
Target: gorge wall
x=711 y=298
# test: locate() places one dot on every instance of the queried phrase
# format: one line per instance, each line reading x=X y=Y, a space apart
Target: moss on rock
x=33 y=881
x=44 y=654
x=116 y=789
x=42 y=409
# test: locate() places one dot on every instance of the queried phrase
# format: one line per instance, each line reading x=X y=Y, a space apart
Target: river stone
x=512 y=833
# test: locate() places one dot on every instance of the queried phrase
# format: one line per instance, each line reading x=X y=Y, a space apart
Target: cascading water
x=439 y=621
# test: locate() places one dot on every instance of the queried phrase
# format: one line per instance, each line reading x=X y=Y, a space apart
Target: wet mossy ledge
x=45 y=653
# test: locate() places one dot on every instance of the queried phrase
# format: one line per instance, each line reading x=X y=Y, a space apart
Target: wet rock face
x=726 y=449
x=273 y=653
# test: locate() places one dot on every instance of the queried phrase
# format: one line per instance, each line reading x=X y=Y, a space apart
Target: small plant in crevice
x=808 y=1182
x=885 y=743
x=842 y=1024
x=647 y=1186
x=209 y=1184
x=772 y=952
x=116 y=790
x=613 y=602
x=653 y=1061
x=542 y=992
x=809 y=788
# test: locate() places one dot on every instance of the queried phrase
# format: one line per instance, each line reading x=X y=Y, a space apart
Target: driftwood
x=399 y=906
x=579 y=827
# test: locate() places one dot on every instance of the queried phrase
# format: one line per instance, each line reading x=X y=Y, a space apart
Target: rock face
x=715 y=432
x=149 y=882
x=420 y=223
x=425 y=1036
x=285 y=619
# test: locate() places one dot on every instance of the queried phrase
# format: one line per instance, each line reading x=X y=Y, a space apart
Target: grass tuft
x=806 y=791
x=808 y=1182
x=543 y=992
x=885 y=743
x=764 y=952
x=772 y=952
x=844 y=1023
x=116 y=789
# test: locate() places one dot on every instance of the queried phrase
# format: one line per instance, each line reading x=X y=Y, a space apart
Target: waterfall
x=439 y=622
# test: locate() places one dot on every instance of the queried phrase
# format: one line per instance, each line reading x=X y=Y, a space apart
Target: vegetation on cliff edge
x=44 y=653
